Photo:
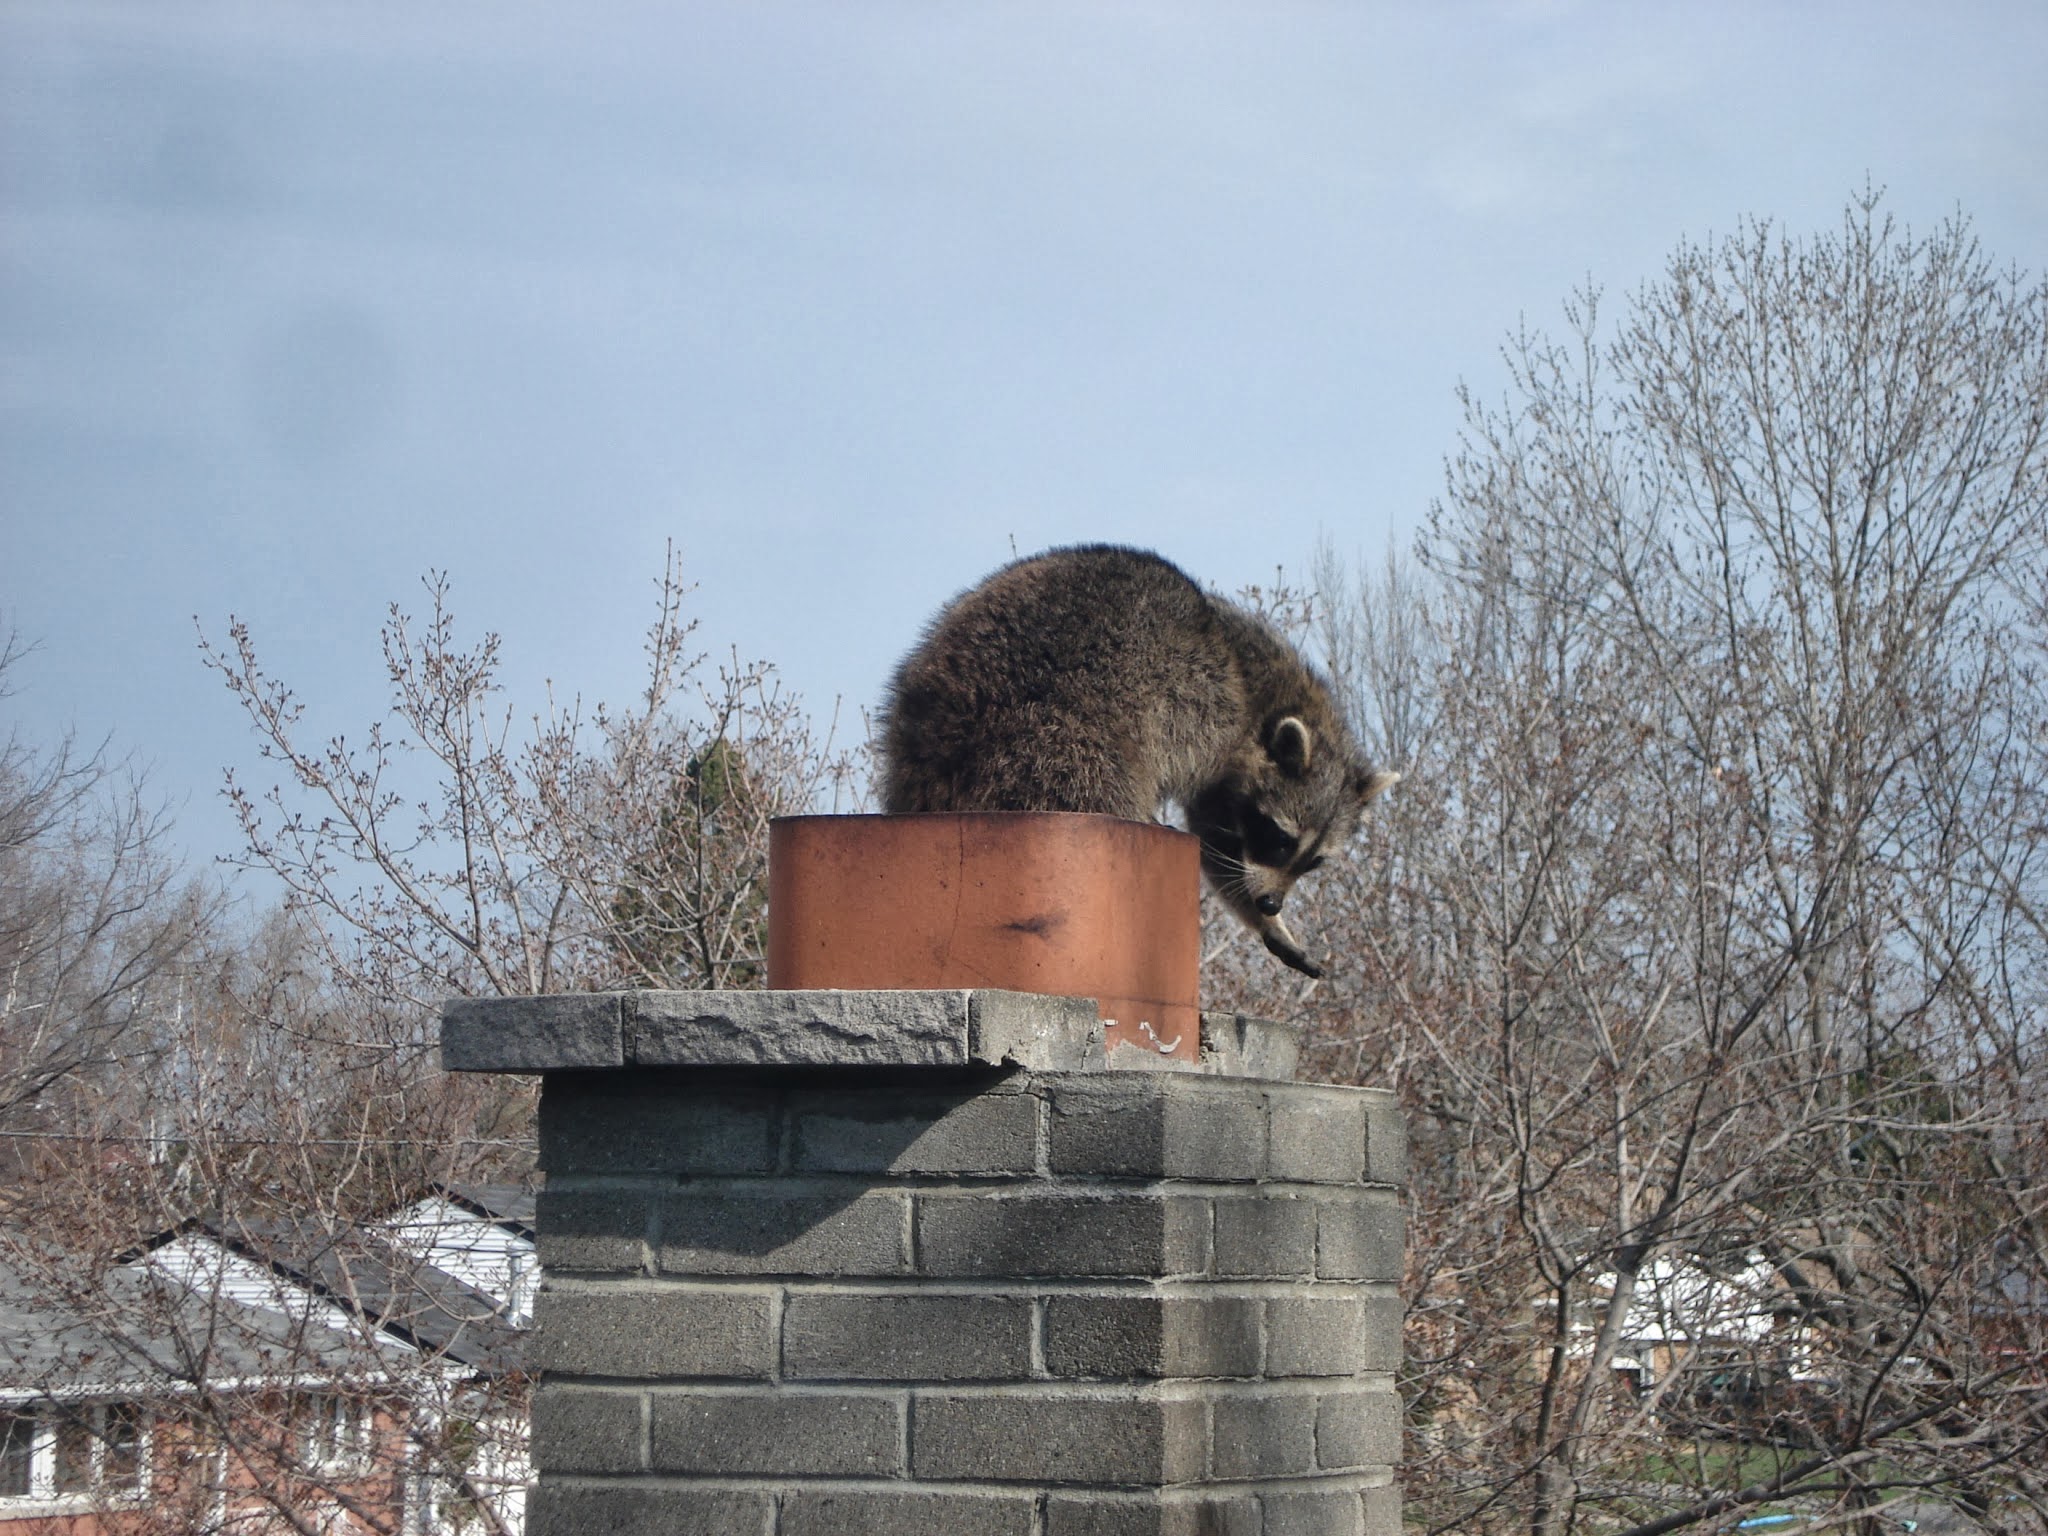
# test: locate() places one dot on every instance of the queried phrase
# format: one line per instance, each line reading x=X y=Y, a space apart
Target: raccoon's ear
x=1288 y=743
x=1370 y=786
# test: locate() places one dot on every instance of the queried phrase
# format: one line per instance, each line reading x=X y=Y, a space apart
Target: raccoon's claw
x=1281 y=943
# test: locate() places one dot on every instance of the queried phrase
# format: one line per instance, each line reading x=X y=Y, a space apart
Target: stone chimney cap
x=833 y=1029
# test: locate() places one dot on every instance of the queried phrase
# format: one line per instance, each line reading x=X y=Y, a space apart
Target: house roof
x=397 y=1290
x=138 y=1332
x=511 y=1206
x=214 y=1300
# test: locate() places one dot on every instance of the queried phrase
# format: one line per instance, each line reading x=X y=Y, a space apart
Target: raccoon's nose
x=1269 y=906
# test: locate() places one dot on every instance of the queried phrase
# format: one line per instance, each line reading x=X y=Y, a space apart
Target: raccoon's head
x=1282 y=809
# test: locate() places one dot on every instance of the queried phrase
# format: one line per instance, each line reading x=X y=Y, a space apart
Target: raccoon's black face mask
x=1262 y=832
x=1252 y=859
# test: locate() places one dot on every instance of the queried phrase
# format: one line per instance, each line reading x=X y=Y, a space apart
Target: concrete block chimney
x=950 y=1259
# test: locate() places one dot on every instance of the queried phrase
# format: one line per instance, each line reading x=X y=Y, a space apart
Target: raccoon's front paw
x=1281 y=943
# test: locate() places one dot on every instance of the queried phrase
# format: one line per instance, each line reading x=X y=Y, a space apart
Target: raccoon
x=1099 y=678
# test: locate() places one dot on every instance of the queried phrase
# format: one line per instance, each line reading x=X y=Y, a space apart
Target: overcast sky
x=848 y=300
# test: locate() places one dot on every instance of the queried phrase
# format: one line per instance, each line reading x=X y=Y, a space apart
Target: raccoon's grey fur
x=1104 y=679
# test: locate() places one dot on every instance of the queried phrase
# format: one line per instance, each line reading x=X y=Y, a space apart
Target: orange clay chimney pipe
x=1076 y=905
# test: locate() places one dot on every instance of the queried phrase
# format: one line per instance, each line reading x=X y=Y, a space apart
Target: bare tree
x=94 y=916
x=592 y=855
x=1703 y=937
x=288 y=1110
x=229 y=1262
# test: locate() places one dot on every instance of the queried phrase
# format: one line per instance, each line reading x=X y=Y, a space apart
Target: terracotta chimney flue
x=1075 y=905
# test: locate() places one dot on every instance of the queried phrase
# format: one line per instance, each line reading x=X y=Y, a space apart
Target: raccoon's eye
x=1268 y=842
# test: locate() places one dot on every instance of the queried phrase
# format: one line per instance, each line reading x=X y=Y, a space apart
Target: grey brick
x=784 y=1028
x=1332 y=1336
x=776 y=1434
x=1358 y=1429
x=1171 y=1514
x=1386 y=1139
x=1086 y=1514
x=655 y=1332
x=770 y=1234
x=1152 y=1125
x=591 y=1230
x=793 y=1028
x=1219 y=1516
x=1262 y=1435
x=1383 y=1510
x=984 y=1129
x=1385 y=1314
x=1360 y=1239
x=1318 y=1134
x=555 y=1510
x=1142 y=1337
x=531 y=1034
x=1313 y=1512
x=876 y=1512
x=1066 y=1234
x=1235 y=1045
x=1057 y=1438
x=1266 y=1235
x=923 y=1028
x=1035 y=1030
x=906 y=1338
x=595 y=1124
x=586 y=1429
